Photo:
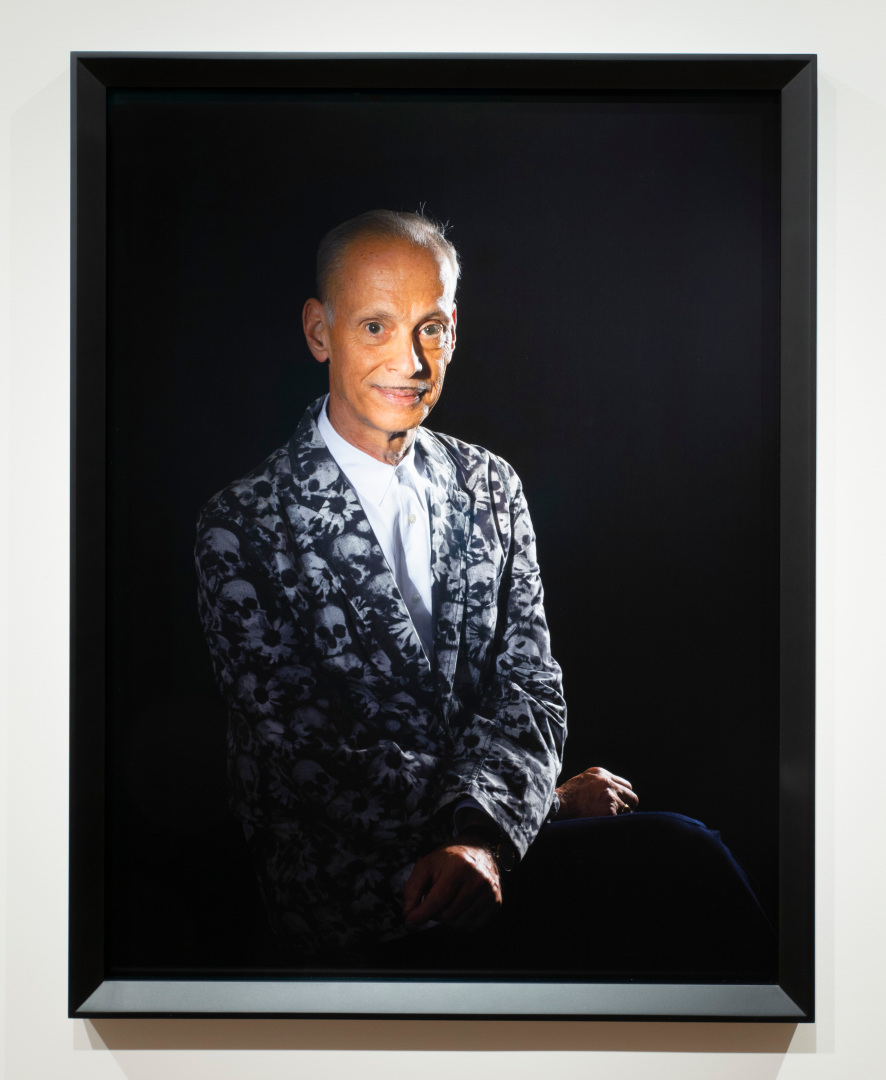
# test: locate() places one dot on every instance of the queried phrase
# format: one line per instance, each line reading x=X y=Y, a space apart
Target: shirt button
x=411 y=519
x=415 y=598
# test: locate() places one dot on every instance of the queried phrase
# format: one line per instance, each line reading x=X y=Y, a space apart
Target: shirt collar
x=369 y=477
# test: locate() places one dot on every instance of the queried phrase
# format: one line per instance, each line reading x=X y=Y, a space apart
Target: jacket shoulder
x=475 y=464
x=255 y=497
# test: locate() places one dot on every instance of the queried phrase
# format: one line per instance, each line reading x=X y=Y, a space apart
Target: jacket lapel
x=450 y=523
x=334 y=529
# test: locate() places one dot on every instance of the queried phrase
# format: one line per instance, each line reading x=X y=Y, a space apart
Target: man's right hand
x=457 y=884
x=595 y=793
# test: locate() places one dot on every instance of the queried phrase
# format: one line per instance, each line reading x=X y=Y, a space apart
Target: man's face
x=390 y=340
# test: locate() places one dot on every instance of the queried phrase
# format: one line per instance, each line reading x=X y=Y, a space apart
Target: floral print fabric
x=346 y=748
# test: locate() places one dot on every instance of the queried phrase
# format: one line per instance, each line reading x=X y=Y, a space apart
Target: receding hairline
x=386 y=226
x=356 y=248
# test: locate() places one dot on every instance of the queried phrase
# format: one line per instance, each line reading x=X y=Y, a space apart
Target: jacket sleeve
x=512 y=747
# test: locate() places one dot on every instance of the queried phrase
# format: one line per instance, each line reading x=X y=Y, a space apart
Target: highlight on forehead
x=415 y=229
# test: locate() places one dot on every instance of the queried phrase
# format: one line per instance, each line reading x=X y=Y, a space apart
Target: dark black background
x=618 y=344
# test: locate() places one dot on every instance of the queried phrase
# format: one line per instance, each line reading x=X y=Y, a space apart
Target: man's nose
x=404 y=360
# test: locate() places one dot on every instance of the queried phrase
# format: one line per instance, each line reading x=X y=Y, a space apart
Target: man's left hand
x=457 y=884
x=596 y=793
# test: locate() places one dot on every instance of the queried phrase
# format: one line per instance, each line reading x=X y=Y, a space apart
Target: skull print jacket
x=347 y=748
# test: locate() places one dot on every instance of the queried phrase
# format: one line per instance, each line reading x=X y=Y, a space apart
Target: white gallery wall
x=849 y=1037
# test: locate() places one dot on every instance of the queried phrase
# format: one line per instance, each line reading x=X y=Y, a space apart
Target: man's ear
x=454 y=318
x=316 y=327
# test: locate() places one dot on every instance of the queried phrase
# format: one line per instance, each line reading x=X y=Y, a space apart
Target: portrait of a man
x=479 y=668
x=373 y=605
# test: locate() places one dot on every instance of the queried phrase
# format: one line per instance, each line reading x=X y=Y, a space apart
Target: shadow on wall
x=447 y=1035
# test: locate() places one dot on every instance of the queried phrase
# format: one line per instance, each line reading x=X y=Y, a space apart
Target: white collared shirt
x=395 y=500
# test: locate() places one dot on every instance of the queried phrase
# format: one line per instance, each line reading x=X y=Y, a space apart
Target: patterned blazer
x=347 y=748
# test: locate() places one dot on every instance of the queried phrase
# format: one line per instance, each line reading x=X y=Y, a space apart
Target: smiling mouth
x=401 y=395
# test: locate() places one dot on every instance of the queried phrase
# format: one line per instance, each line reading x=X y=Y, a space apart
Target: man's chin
x=397 y=419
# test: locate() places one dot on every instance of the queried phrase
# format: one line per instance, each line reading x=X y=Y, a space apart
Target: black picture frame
x=94 y=989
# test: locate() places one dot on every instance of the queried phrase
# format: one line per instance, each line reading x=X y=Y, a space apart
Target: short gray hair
x=417 y=229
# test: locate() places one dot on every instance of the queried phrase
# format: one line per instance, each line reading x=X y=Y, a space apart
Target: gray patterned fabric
x=347 y=749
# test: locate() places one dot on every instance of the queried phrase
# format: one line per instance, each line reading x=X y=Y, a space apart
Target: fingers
x=599 y=774
x=415 y=887
x=477 y=915
x=432 y=887
x=438 y=899
x=627 y=801
x=464 y=908
x=451 y=887
x=620 y=780
x=618 y=793
x=475 y=904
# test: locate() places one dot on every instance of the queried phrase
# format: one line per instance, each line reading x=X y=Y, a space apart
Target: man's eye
x=432 y=330
x=374 y=327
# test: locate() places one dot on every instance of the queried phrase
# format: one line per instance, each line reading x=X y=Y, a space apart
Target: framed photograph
x=636 y=316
